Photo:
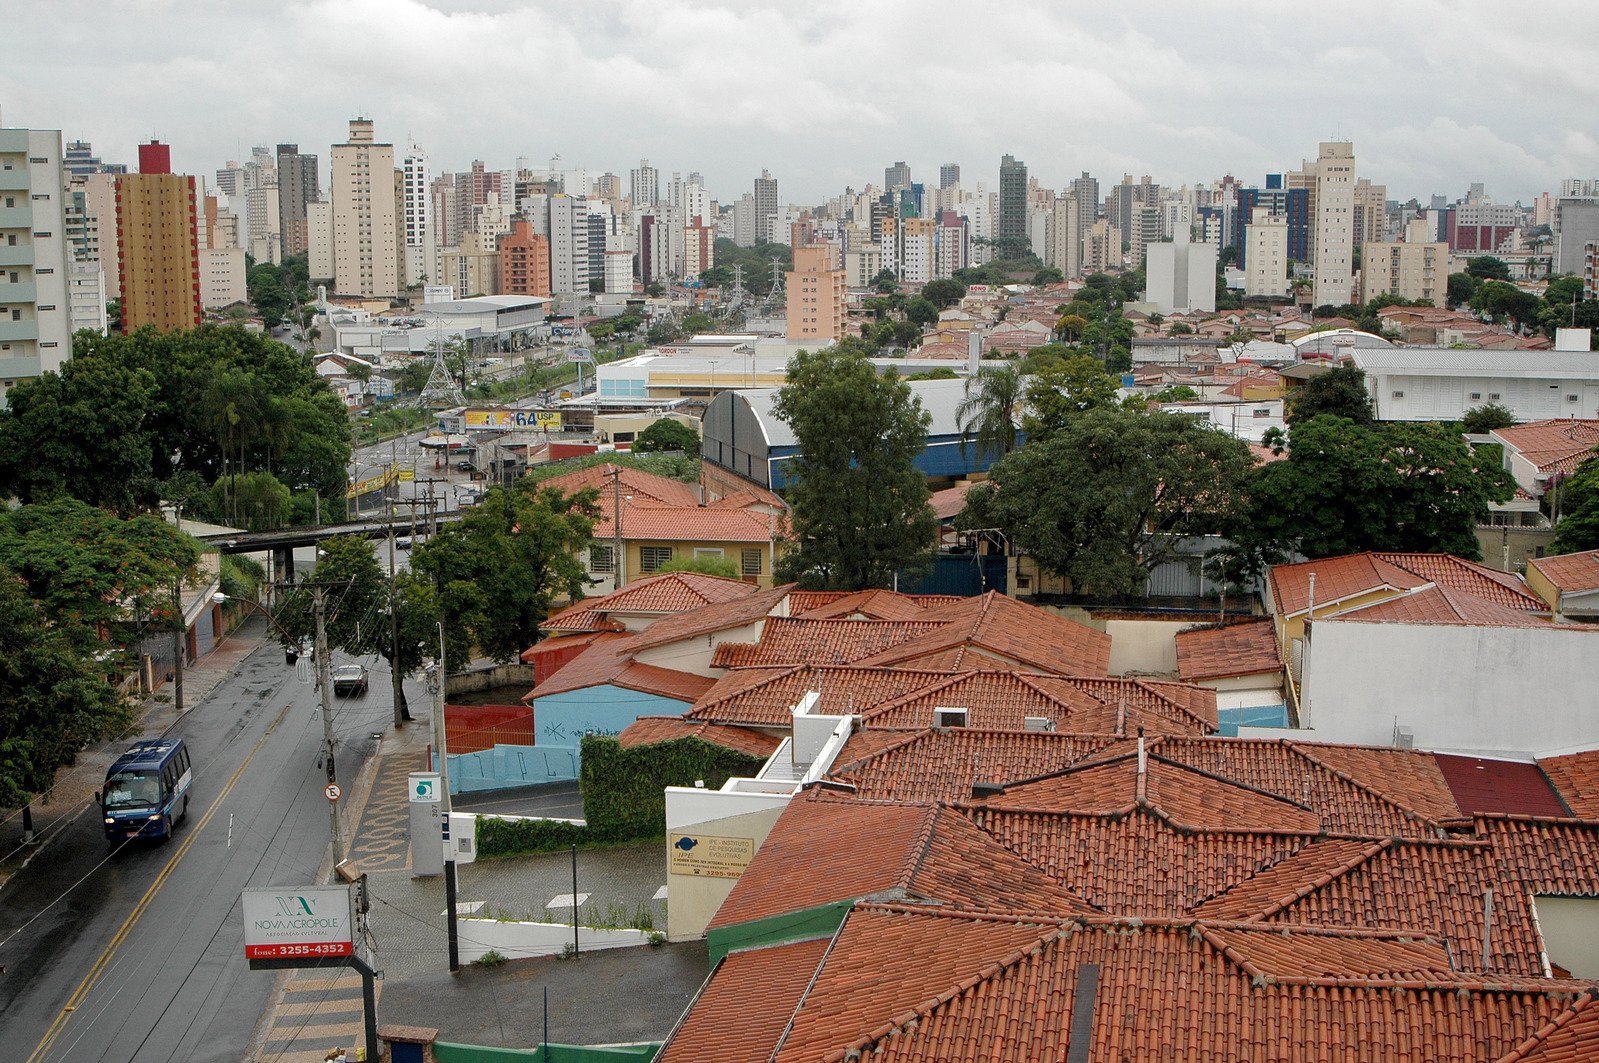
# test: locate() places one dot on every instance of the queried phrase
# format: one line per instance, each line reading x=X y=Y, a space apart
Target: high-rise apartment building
x=1371 y=212
x=896 y=177
x=1417 y=268
x=644 y=184
x=365 y=229
x=420 y=252
x=1181 y=275
x=297 y=186
x=1012 y=228
x=158 y=244
x=765 y=206
x=1334 y=210
x=564 y=221
x=916 y=250
x=35 y=304
x=79 y=160
x=1102 y=247
x=949 y=175
x=1266 y=258
x=524 y=261
x=1066 y=242
x=815 y=290
x=699 y=248
x=952 y=244
x=1280 y=199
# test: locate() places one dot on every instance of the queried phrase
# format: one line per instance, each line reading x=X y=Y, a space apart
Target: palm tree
x=987 y=413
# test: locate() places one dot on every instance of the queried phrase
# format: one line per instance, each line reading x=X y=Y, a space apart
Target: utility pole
x=440 y=742
x=180 y=635
x=396 y=680
x=618 y=561
x=324 y=679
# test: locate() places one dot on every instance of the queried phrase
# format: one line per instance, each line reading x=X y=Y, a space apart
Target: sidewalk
x=73 y=791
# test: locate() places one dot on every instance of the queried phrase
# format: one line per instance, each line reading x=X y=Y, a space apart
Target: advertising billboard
x=298 y=922
x=477 y=420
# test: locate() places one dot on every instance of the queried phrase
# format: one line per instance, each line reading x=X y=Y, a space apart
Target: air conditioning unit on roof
x=1038 y=723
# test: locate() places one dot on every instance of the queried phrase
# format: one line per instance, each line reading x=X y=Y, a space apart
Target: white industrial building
x=1441 y=384
x=1181 y=275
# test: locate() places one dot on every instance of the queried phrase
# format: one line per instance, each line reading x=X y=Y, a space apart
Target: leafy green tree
x=1340 y=391
x=1048 y=275
x=1462 y=286
x=1346 y=487
x=704 y=564
x=1501 y=301
x=987 y=412
x=944 y=292
x=1487 y=267
x=359 y=609
x=498 y=571
x=860 y=512
x=256 y=501
x=1578 y=501
x=1486 y=418
x=1179 y=328
x=667 y=434
x=1175 y=393
x=56 y=700
x=885 y=281
x=412 y=377
x=93 y=574
x=1059 y=393
x=921 y=311
x=1107 y=498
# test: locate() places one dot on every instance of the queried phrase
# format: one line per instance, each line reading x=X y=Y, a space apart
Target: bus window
x=133 y=789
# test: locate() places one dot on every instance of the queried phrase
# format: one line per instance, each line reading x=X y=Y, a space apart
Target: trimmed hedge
x=624 y=796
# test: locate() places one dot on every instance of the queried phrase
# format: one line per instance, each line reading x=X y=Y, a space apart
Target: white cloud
x=1435 y=95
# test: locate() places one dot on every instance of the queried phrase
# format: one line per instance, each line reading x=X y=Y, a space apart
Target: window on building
x=751 y=563
x=651 y=558
x=600 y=558
x=1399 y=394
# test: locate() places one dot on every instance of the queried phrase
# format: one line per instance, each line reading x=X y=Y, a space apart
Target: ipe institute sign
x=289 y=923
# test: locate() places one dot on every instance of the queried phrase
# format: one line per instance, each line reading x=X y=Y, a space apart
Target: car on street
x=402 y=542
x=350 y=680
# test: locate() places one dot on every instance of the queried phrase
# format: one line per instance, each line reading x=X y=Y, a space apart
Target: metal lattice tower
x=442 y=391
x=777 y=280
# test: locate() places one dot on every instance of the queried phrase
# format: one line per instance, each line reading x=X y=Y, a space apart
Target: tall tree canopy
x=500 y=568
x=1340 y=391
x=129 y=412
x=1578 y=527
x=1058 y=393
x=1106 y=498
x=1345 y=488
x=860 y=512
x=667 y=434
x=987 y=412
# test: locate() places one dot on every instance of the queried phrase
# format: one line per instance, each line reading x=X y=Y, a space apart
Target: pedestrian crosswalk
x=320 y=1010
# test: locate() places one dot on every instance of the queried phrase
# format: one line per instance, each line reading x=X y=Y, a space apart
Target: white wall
x=1145 y=647
x=692 y=900
x=1524 y=690
x=519 y=941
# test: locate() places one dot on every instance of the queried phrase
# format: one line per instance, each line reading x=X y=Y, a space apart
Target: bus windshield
x=133 y=789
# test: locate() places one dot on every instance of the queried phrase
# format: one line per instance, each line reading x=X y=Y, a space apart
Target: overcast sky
x=826 y=93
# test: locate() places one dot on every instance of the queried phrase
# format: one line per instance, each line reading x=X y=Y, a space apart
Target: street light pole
x=180 y=636
x=441 y=741
x=324 y=679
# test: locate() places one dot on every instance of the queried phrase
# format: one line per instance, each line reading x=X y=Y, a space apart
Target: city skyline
x=821 y=98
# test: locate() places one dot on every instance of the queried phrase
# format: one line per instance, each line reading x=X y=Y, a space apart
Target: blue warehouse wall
x=563 y=719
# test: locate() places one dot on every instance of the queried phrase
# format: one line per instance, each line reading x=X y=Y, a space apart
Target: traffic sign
x=333 y=791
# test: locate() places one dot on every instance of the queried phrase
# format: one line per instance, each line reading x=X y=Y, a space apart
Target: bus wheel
x=183 y=817
x=166 y=829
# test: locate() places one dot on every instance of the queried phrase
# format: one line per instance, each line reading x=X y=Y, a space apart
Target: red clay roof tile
x=648 y=730
x=1249 y=648
x=670 y=592
x=1482 y=785
x=1570 y=572
x=1576 y=777
x=744 y=1009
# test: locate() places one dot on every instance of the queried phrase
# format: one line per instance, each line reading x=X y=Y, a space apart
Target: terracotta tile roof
x=743 y=1010
x=765 y=697
x=1553 y=446
x=1409 y=778
x=1340 y=578
x=1442 y=605
x=670 y=592
x=950 y=501
x=1570 y=1037
x=1576 y=777
x=1570 y=573
x=1137 y=864
x=610 y=663
x=1022 y=633
x=790 y=640
x=1248 y=648
x=1279 y=885
x=1545 y=855
x=565 y=643
x=641 y=485
x=823 y=850
x=869 y=605
x=1161 y=708
x=1005 y=699
x=942 y=764
x=648 y=730
x=1183 y=796
x=710 y=619
x=1511 y=787
x=692 y=523
x=906 y=985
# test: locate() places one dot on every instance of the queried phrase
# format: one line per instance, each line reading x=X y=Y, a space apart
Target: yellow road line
x=128 y=924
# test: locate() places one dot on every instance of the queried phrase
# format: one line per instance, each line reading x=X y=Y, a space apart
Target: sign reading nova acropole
x=309 y=921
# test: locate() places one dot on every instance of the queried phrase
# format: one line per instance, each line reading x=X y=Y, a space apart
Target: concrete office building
x=1181 y=275
x=365 y=229
x=158 y=244
x=1334 y=211
x=297 y=186
x=815 y=291
x=1012 y=227
x=1577 y=226
x=79 y=160
x=1417 y=268
x=1266 y=272
x=35 y=307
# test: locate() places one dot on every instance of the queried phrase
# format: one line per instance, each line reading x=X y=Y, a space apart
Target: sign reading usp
x=293 y=923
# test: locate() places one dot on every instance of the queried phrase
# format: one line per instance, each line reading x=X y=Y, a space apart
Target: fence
x=476 y=728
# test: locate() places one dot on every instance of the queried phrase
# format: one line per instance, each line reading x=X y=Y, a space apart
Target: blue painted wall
x=1229 y=720
x=943 y=456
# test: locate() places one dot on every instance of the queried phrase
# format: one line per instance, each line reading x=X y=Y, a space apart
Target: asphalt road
x=138 y=955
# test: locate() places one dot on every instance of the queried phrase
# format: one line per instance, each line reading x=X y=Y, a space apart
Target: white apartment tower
x=35 y=304
x=1267 y=254
x=1181 y=275
x=1335 y=224
x=643 y=184
x=365 y=229
x=421 y=253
